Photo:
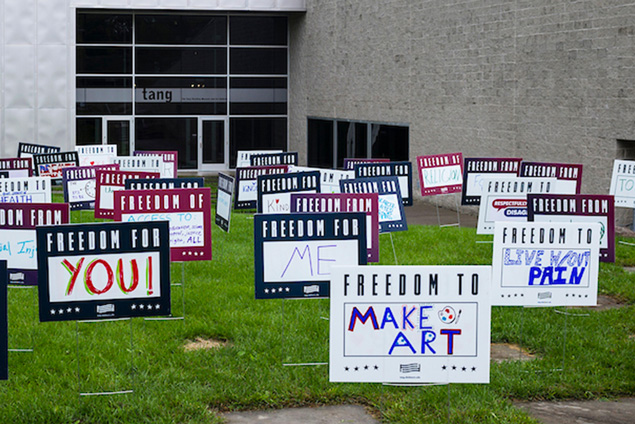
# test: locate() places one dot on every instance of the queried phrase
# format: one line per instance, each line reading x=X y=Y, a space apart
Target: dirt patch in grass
x=501 y=352
x=604 y=302
x=201 y=343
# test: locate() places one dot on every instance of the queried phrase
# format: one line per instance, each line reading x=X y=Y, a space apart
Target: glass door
x=213 y=144
x=117 y=131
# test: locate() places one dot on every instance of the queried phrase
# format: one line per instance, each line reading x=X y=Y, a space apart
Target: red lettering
x=74 y=274
x=90 y=287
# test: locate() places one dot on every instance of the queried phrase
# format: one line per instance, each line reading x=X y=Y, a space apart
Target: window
x=104 y=96
x=168 y=73
x=180 y=96
x=354 y=139
x=179 y=134
x=256 y=133
x=321 y=142
x=181 y=29
x=258 y=30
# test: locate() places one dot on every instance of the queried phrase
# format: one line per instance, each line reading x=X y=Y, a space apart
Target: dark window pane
x=179 y=96
x=104 y=60
x=180 y=134
x=320 y=139
x=104 y=96
x=258 y=30
x=352 y=141
x=118 y=132
x=213 y=142
x=88 y=131
x=389 y=141
x=258 y=96
x=108 y=28
x=246 y=61
x=185 y=60
x=256 y=134
x=180 y=29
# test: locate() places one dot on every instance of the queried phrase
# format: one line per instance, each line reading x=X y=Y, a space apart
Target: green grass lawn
x=172 y=385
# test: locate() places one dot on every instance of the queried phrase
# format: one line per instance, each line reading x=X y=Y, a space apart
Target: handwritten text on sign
x=545 y=264
x=623 y=183
x=413 y=323
x=294 y=253
x=187 y=210
x=475 y=169
x=247 y=184
x=339 y=202
x=578 y=208
x=106 y=270
x=440 y=174
x=25 y=190
x=17 y=236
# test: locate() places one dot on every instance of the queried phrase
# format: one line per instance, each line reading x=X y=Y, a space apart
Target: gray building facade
x=542 y=80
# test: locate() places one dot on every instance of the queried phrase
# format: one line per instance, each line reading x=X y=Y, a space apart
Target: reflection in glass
x=179 y=134
x=180 y=29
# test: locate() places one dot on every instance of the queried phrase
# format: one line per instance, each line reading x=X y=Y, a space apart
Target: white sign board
x=623 y=183
x=410 y=324
x=25 y=190
x=329 y=178
x=243 y=160
x=505 y=199
x=100 y=154
x=143 y=163
x=545 y=264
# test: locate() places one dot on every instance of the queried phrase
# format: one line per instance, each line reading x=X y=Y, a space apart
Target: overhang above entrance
x=224 y=5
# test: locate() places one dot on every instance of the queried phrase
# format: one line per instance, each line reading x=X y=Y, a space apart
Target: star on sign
x=149 y=307
x=69 y=310
x=76 y=309
x=157 y=306
x=52 y=311
x=142 y=306
x=61 y=311
x=133 y=307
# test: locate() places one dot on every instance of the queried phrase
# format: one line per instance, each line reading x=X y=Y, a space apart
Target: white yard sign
x=545 y=264
x=623 y=183
x=410 y=324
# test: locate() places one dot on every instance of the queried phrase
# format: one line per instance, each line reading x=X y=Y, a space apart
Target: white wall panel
x=145 y=3
x=20 y=125
x=204 y=4
x=19 y=82
x=52 y=128
x=19 y=22
x=232 y=4
x=52 y=21
x=114 y=3
x=262 y=5
x=180 y=4
x=52 y=81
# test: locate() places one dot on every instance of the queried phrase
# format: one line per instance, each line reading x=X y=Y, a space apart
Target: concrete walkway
x=321 y=415
x=582 y=412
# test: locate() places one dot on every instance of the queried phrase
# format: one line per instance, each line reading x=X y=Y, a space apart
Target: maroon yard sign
x=17 y=167
x=188 y=211
x=108 y=182
x=18 y=238
x=440 y=174
x=569 y=175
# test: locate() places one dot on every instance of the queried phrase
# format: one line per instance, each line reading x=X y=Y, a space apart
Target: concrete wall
x=544 y=80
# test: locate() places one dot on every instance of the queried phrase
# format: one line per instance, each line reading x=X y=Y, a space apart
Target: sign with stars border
x=295 y=252
x=545 y=264
x=410 y=324
x=103 y=271
x=188 y=211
